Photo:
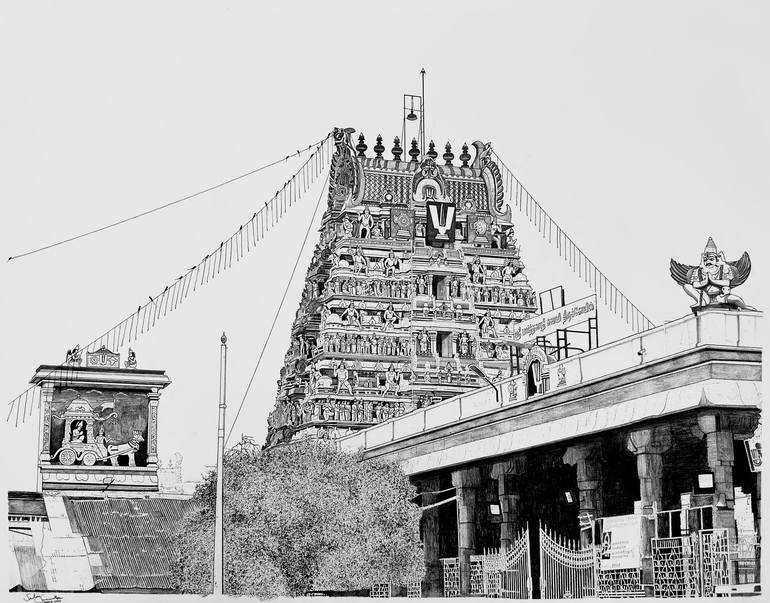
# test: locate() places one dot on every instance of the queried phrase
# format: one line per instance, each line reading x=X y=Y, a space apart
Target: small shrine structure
x=99 y=424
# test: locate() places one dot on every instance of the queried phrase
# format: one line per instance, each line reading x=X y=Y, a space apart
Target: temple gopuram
x=411 y=294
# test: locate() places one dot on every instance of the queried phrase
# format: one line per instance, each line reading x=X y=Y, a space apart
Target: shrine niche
x=99 y=424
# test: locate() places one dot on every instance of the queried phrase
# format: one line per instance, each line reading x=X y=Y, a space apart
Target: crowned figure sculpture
x=711 y=283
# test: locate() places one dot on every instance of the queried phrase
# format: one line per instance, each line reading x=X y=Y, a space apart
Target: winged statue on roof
x=712 y=281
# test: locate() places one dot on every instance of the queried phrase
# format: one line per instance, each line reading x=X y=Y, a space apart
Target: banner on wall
x=621 y=542
x=567 y=316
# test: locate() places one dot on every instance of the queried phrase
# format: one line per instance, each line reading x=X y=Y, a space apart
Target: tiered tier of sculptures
x=402 y=289
x=350 y=343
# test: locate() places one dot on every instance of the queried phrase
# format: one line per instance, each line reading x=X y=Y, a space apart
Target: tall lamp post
x=475 y=369
x=218 y=523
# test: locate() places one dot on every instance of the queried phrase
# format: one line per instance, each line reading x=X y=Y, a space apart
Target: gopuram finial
x=712 y=281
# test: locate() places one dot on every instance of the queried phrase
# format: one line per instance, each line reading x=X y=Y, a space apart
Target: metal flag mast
x=218 y=523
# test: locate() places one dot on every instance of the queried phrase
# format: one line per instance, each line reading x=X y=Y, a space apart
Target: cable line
x=164 y=206
x=176 y=292
x=280 y=305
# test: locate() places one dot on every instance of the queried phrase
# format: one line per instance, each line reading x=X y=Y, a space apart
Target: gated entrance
x=696 y=564
x=567 y=570
x=516 y=577
x=496 y=573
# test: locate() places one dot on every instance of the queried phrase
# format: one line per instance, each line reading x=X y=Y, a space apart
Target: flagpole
x=218 y=524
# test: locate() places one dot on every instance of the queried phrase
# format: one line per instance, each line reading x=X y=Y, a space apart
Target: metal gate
x=567 y=570
x=714 y=560
x=516 y=575
x=693 y=565
x=496 y=573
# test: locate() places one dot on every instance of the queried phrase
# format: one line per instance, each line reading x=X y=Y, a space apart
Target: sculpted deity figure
x=347 y=226
x=422 y=286
x=419 y=229
x=365 y=223
x=352 y=315
x=713 y=280
x=389 y=317
x=457 y=363
x=454 y=287
x=391 y=381
x=423 y=342
x=335 y=258
x=390 y=263
x=487 y=325
x=508 y=273
x=464 y=344
x=74 y=357
x=478 y=271
x=131 y=360
x=341 y=372
x=377 y=231
x=359 y=262
x=314 y=376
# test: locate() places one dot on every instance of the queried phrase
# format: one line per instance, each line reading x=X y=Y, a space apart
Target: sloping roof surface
x=26 y=503
x=131 y=537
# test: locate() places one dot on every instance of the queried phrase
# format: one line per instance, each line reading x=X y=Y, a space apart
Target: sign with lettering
x=567 y=316
x=621 y=542
x=441 y=222
x=754 y=450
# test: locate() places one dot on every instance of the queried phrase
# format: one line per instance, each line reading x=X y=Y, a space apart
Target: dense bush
x=301 y=517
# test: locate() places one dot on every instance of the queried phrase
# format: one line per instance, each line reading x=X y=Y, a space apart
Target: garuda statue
x=711 y=282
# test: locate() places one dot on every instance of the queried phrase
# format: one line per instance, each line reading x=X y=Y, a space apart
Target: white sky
x=643 y=130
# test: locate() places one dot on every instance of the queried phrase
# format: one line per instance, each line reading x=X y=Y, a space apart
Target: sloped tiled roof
x=26 y=504
x=132 y=538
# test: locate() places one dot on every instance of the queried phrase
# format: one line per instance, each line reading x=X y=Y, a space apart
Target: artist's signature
x=41 y=599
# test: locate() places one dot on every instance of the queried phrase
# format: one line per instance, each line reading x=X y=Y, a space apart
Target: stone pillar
x=46 y=399
x=152 y=428
x=431 y=584
x=587 y=460
x=719 y=431
x=505 y=472
x=649 y=444
x=433 y=349
x=466 y=482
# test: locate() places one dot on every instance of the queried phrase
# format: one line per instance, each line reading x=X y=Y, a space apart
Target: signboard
x=621 y=542
x=565 y=317
x=754 y=450
x=441 y=222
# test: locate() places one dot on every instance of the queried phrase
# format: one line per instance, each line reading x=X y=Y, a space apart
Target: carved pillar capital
x=516 y=465
x=587 y=460
x=469 y=477
x=649 y=440
x=741 y=424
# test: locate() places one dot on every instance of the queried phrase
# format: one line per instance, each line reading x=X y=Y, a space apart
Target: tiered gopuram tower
x=416 y=277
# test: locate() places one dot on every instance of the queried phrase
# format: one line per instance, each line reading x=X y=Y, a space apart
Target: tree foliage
x=301 y=517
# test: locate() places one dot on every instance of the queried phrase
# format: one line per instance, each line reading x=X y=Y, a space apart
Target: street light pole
x=479 y=372
x=218 y=522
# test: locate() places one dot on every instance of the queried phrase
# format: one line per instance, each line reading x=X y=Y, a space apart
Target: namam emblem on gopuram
x=711 y=283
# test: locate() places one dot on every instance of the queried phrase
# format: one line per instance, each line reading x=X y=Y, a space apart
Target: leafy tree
x=302 y=516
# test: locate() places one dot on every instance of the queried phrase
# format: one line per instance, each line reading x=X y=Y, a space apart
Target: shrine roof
x=98 y=375
x=26 y=504
x=408 y=168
